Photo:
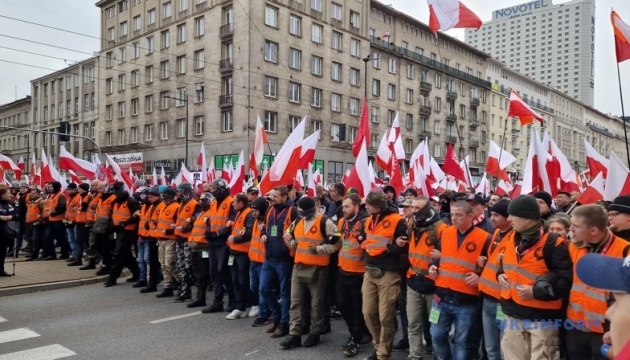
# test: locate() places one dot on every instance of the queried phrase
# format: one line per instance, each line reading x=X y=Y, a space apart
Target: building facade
x=552 y=44
x=15 y=143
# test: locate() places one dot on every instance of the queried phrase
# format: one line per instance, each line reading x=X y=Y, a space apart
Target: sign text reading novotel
x=521 y=9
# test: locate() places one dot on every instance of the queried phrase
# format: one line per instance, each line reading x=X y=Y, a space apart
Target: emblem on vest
x=167 y=213
x=538 y=254
x=187 y=208
x=427 y=241
x=386 y=224
x=224 y=206
x=313 y=230
x=502 y=250
x=471 y=246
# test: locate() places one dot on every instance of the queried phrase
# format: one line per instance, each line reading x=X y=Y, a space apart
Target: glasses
x=613 y=214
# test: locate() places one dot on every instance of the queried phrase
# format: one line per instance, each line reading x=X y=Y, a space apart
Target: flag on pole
x=69 y=162
x=622 y=37
x=154 y=179
x=363 y=131
x=238 y=177
x=309 y=145
x=451 y=165
x=596 y=162
x=258 y=150
x=163 y=177
x=202 y=162
x=20 y=165
x=518 y=108
x=618 y=181
x=447 y=14
x=119 y=174
x=594 y=192
x=496 y=168
x=74 y=177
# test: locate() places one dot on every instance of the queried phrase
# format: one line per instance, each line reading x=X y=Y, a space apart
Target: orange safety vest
x=91 y=213
x=456 y=263
x=305 y=239
x=488 y=283
x=184 y=213
x=239 y=224
x=82 y=215
x=167 y=217
x=103 y=210
x=380 y=235
x=420 y=252
x=350 y=255
x=526 y=271
x=50 y=205
x=588 y=305
x=33 y=211
x=256 y=247
x=220 y=216
x=145 y=219
x=155 y=218
x=198 y=233
x=71 y=209
x=122 y=213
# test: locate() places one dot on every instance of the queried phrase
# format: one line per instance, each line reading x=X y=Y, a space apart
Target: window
x=111 y=11
x=200 y=26
x=121 y=109
x=438 y=104
x=271 y=51
x=108 y=138
x=409 y=99
x=316 y=65
x=122 y=55
x=294 y=92
x=436 y=129
x=181 y=65
x=295 y=58
x=409 y=122
x=316 y=5
x=148 y=74
x=68 y=108
x=151 y=17
x=408 y=146
x=165 y=38
x=134 y=106
x=334 y=132
x=317 y=126
x=76 y=105
x=183 y=5
x=134 y=135
x=150 y=45
x=181 y=33
x=391 y=91
x=135 y=50
x=438 y=80
x=336 y=71
x=135 y=78
x=180 y=125
x=271 y=120
x=316 y=97
x=109 y=86
x=295 y=25
x=111 y=34
x=336 y=40
x=391 y=115
x=164 y=100
x=410 y=71
x=355 y=47
x=316 y=33
x=148 y=103
x=181 y=97
x=200 y=125
x=375 y=141
x=376 y=88
x=199 y=58
x=336 y=11
x=335 y=102
x=270 y=87
x=355 y=77
x=148 y=132
x=164 y=130
x=167 y=10
x=123 y=6
x=462 y=110
x=391 y=67
x=137 y=23
x=294 y=121
x=355 y=19
x=376 y=60
x=199 y=92
x=271 y=16
x=354 y=106
x=227 y=122
x=124 y=29
x=165 y=67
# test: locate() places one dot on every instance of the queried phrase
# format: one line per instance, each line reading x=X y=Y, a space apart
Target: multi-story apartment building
x=552 y=44
x=605 y=133
x=15 y=143
x=203 y=70
x=70 y=95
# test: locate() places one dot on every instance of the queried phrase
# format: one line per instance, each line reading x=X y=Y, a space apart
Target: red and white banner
x=133 y=160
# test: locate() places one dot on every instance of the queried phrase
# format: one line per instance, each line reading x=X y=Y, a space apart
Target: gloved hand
x=118 y=228
x=211 y=235
x=312 y=250
x=146 y=226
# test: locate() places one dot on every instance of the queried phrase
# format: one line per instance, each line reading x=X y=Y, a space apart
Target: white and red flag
x=238 y=177
x=519 y=108
x=163 y=177
x=69 y=162
x=363 y=130
x=8 y=164
x=498 y=160
x=448 y=14
x=594 y=192
x=535 y=176
x=74 y=177
x=307 y=154
x=258 y=150
x=359 y=177
x=618 y=181
x=202 y=163
x=154 y=178
x=596 y=162
x=119 y=174
x=20 y=165
x=622 y=37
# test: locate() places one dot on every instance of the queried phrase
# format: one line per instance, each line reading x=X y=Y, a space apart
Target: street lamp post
x=366 y=60
x=185 y=99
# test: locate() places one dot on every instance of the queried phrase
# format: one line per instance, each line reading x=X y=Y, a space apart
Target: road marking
x=251 y=353
x=50 y=352
x=17 y=334
x=3 y=319
x=175 y=317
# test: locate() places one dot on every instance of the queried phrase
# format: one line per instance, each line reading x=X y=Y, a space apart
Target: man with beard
x=544 y=200
x=619 y=217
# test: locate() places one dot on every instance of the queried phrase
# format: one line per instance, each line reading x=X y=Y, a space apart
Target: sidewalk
x=34 y=276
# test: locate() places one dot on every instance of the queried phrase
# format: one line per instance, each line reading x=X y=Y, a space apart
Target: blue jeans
x=254 y=285
x=282 y=272
x=464 y=317
x=143 y=258
x=72 y=240
x=491 y=333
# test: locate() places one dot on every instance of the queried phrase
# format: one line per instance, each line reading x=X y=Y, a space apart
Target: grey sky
x=82 y=16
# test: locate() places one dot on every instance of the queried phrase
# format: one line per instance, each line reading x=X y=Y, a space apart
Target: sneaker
x=352 y=349
x=254 y=311
x=402 y=345
x=260 y=322
x=345 y=345
x=235 y=314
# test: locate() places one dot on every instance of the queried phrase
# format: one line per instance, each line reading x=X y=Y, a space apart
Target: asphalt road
x=93 y=322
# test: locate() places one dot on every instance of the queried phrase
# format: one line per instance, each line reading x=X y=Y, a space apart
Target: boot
x=102 y=271
x=200 y=300
x=167 y=292
x=148 y=289
x=89 y=266
x=311 y=340
x=140 y=284
x=133 y=279
x=281 y=330
x=182 y=296
x=273 y=327
x=77 y=262
x=291 y=341
x=214 y=308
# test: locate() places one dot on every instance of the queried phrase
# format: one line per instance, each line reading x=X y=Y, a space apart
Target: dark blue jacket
x=275 y=248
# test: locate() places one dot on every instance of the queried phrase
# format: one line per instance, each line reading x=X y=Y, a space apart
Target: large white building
x=552 y=44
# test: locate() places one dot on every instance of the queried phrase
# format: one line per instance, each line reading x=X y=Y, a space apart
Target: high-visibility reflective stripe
x=348 y=256
x=529 y=275
x=452 y=274
x=381 y=241
x=420 y=257
x=493 y=267
x=219 y=218
x=311 y=241
x=587 y=314
x=488 y=282
x=468 y=265
x=256 y=250
x=587 y=292
x=306 y=252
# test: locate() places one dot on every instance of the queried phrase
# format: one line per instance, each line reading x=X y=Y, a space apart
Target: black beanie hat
x=56 y=185
x=84 y=186
x=525 y=206
x=72 y=186
x=501 y=207
x=544 y=196
x=260 y=204
x=620 y=204
x=306 y=203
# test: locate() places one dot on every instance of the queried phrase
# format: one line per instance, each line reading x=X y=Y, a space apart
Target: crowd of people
x=469 y=277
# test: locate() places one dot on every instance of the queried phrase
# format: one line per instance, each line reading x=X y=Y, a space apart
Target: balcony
x=474 y=101
x=355 y=30
x=336 y=23
x=450 y=139
x=451 y=118
x=226 y=65
x=425 y=88
x=423 y=135
x=425 y=110
x=225 y=101
x=452 y=95
x=473 y=124
x=226 y=30
x=317 y=14
x=296 y=5
x=516 y=151
x=473 y=144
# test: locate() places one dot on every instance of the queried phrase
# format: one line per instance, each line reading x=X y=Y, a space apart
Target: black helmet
x=222 y=189
x=220 y=183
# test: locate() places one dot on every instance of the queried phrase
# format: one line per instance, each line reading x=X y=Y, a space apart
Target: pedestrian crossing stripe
x=17 y=334
x=50 y=352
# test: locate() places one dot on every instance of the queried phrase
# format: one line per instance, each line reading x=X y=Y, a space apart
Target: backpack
x=432 y=232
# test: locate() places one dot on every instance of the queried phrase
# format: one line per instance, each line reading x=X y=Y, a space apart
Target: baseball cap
x=435 y=198
x=475 y=198
x=406 y=203
x=252 y=190
x=604 y=272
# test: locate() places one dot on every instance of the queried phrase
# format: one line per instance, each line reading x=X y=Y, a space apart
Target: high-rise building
x=552 y=44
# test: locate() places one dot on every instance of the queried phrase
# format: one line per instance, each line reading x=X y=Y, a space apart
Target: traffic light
x=64 y=130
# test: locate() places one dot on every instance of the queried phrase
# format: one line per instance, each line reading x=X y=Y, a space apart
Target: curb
x=27 y=289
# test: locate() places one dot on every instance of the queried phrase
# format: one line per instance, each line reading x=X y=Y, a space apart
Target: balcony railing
x=450 y=139
x=354 y=29
x=225 y=100
x=425 y=110
x=474 y=123
x=474 y=101
x=296 y=5
x=451 y=118
x=451 y=95
x=225 y=65
x=317 y=14
x=425 y=87
x=423 y=135
x=516 y=151
x=226 y=30
x=473 y=143
x=336 y=22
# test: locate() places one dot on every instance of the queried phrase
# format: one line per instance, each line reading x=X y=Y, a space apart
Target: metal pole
x=623 y=116
x=366 y=60
x=98 y=149
x=187 y=165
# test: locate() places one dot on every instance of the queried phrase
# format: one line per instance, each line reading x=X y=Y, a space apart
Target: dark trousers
x=240 y=280
x=30 y=237
x=154 y=262
x=330 y=299
x=106 y=248
x=18 y=241
x=4 y=246
x=583 y=345
x=123 y=256
x=200 y=271
x=350 y=304
x=56 y=230
x=220 y=274
x=83 y=237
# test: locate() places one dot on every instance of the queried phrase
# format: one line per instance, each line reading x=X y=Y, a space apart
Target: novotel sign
x=521 y=9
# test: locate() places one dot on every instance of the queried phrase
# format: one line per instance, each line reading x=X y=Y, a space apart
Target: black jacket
x=624 y=234
x=390 y=259
x=22 y=207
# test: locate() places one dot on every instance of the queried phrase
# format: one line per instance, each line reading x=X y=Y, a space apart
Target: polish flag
x=212 y=172
x=345 y=176
x=7 y=164
x=594 y=192
x=310 y=181
x=535 y=176
x=395 y=145
x=484 y=186
x=566 y=178
x=415 y=163
x=383 y=154
x=518 y=190
x=307 y=154
x=518 y=108
x=163 y=177
x=359 y=177
x=286 y=164
x=258 y=150
x=372 y=176
x=363 y=131
x=451 y=164
x=622 y=37
x=618 y=181
x=419 y=180
x=35 y=173
x=69 y=162
x=299 y=181
x=317 y=177
x=118 y=173
x=435 y=174
x=74 y=177
x=226 y=172
x=447 y=14
x=186 y=175
x=202 y=162
x=596 y=162
x=498 y=160
x=46 y=175
x=465 y=165
x=395 y=175
x=238 y=178
x=154 y=178
x=20 y=165
x=504 y=188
